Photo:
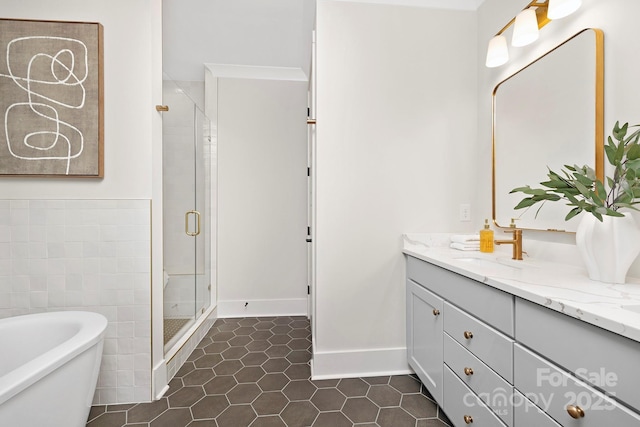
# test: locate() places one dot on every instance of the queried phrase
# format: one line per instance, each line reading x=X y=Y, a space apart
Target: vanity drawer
x=557 y=392
x=463 y=407
x=492 y=347
x=607 y=360
x=489 y=304
x=490 y=387
x=527 y=414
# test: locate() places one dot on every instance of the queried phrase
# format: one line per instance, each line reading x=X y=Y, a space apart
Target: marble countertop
x=564 y=288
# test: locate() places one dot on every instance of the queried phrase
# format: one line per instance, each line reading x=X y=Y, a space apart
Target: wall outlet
x=465 y=212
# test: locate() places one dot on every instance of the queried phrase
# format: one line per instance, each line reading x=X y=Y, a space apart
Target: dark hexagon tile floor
x=254 y=372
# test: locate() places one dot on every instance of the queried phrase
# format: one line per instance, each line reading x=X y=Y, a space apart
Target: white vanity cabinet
x=467 y=344
x=576 y=369
x=424 y=337
x=493 y=359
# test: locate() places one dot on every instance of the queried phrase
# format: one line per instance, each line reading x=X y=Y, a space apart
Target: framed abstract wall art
x=51 y=99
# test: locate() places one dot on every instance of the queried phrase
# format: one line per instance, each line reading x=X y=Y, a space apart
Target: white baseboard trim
x=268 y=307
x=359 y=363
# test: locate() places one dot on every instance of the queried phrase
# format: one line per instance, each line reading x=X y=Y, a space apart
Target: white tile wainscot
x=552 y=318
x=92 y=255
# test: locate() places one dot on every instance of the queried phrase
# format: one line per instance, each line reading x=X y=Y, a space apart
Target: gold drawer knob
x=468 y=419
x=468 y=334
x=575 y=412
x=436 y=312
x=468 y=371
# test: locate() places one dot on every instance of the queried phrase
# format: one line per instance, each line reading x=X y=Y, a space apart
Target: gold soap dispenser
x=486 y=238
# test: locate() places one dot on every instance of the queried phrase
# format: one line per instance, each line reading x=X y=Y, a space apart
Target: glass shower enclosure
x=187 y=214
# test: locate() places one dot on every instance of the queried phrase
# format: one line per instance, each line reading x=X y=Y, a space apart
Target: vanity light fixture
x=561 y=8
x=526 y=27
x=497 y=54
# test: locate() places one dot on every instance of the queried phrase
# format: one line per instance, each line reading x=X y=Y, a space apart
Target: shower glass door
x=186 y=211
x=202 y=204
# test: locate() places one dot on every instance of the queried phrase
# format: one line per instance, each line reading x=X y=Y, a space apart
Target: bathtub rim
x=92 y=331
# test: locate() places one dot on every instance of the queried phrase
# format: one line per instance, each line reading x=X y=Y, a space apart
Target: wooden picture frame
x=51 y=98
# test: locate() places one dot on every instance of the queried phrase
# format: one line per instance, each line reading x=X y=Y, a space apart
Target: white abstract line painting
x=50 y=98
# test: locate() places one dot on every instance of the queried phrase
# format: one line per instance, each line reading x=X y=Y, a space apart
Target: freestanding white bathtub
x=49 y=364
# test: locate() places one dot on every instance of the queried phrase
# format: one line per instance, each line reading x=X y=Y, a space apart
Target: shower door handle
x=186 y=223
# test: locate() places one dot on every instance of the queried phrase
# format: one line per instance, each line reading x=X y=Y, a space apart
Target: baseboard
x=256 y=308
x=360 y=363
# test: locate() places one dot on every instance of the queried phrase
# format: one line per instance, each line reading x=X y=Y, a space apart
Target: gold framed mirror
x=548 y=114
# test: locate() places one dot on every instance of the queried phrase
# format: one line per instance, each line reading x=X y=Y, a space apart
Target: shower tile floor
x=172 y=327
x=255 y=372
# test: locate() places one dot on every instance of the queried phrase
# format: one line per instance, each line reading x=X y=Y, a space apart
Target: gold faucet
x=516 y=242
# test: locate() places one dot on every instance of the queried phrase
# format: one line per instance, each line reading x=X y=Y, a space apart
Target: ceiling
x=261 y=33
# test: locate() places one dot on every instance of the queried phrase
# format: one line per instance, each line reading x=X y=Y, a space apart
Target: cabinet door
x=424 y=337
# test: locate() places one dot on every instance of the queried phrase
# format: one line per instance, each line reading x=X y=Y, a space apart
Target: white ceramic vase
x=608 y=248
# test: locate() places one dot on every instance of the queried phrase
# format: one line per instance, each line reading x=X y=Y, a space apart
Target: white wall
x=103 y=268
x=616 y=19
x=396 y=152
x=129 y=48
x=274 y=33
x=262 y=196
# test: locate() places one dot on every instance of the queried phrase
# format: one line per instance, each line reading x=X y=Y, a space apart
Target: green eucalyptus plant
x=581 y=189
